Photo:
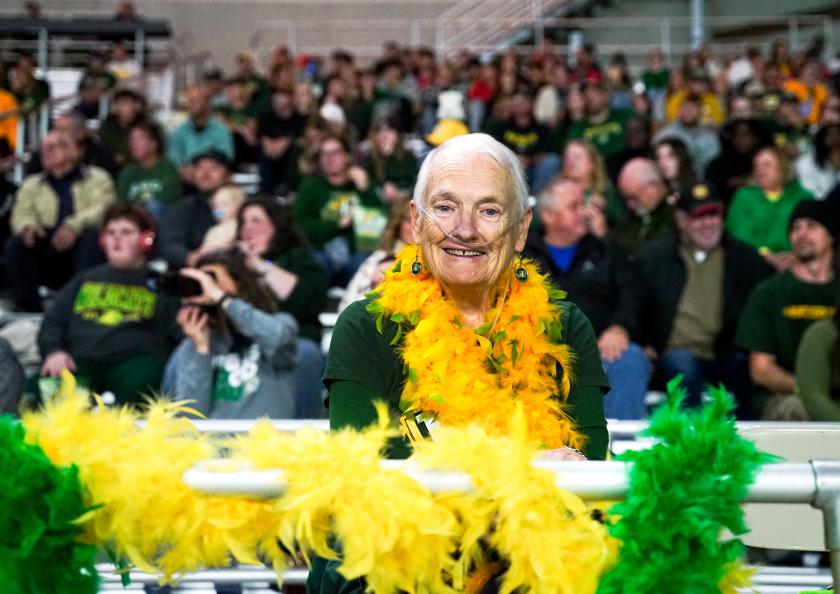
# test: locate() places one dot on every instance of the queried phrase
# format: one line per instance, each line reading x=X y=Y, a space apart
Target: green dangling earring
x=416 y=266
x=520 y=271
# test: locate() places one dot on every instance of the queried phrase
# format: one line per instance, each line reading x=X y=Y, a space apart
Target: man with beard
x=694 y=285
x=185 y=222
x=781 y=308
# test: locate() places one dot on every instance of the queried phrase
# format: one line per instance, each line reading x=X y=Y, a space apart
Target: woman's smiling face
x=469 y=233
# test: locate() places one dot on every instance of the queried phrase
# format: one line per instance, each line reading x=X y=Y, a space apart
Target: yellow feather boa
x=460 y=375
x=392 y=531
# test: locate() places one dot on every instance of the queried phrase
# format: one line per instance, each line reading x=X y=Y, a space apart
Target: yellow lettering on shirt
x=520 y=141
x=808 y=312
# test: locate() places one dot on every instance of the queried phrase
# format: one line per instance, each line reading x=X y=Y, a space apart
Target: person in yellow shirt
x=711 y=108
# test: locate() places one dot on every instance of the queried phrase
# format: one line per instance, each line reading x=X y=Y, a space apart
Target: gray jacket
x=259 y=382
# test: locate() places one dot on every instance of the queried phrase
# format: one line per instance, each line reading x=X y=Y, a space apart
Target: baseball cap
x=446 y=129
x=698 y=200
x=214 y=155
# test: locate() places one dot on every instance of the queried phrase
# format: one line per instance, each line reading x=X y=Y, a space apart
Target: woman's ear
x=522 y=232
x=415 y=221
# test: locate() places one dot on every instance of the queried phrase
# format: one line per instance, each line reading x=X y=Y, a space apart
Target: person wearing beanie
x=781 y=308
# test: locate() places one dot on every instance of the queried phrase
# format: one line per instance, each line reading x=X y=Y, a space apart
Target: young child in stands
x=225 y=203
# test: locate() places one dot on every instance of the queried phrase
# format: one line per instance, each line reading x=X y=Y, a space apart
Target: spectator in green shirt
x=782 y=307
x=603 y=127
x=339 y=212
x=150 y=180
x=760 y=211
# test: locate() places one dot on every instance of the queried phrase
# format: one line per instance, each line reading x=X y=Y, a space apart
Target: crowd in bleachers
x=690 y=209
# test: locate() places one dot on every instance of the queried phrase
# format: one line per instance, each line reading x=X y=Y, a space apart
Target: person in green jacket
x=277 y=251
x=759 y=212
x=464 y=285
x=339 y=211
x=150 y=180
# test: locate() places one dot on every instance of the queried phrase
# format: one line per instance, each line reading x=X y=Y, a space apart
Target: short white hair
x=475 y=144
x=557 y=186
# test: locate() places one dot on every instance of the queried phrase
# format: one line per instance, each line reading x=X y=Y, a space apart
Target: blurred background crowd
x=689 y=207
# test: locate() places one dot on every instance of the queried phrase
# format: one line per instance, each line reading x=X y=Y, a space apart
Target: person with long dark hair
x=819 y=170
x=238 y=358
x=277 y=251
x=675 y=164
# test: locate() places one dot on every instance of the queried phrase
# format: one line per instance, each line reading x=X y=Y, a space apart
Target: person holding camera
x=106 y=325
x=238 y=360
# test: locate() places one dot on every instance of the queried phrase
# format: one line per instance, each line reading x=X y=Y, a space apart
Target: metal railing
x=446 y=35
x=816 y=483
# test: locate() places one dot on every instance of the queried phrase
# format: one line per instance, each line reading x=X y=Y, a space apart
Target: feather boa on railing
x=116 y=484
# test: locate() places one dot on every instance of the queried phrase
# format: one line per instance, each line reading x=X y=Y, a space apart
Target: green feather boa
x=39 y=504
x=683 y=492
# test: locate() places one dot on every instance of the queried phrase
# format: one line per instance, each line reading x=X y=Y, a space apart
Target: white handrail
x=593 y=480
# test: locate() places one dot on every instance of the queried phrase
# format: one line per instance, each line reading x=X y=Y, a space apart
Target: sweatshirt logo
x=108 y=304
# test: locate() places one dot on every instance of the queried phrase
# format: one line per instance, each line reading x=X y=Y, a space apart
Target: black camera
x=173 y=283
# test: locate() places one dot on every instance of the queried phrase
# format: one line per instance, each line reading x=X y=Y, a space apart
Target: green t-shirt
x=399 y=169
x=760 y=221
x=362 y=366
x=606 y=136
x=319 y=206
x=160 y=183
x=656 y=79
x=779 y=311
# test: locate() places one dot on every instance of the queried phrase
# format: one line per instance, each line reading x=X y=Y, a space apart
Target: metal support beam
x=827 y=498
x=698 y=36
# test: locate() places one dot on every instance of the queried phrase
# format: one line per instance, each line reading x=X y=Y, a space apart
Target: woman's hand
x=57 y=362
x=781 y=261
x=564 y=454
x=253 y=260
x=596 y=216
x=195 y=325
x=211 y=294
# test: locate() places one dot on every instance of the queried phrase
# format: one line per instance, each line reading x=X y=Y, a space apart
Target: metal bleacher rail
x=815 y=483
x=495 y=29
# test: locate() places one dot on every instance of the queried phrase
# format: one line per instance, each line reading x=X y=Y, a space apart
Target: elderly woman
x=462 y=330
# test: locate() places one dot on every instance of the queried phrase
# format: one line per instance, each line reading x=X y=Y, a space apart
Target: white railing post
x=20 y=147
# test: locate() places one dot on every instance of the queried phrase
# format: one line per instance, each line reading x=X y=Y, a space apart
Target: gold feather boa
x=392 y=531
x=460 y=375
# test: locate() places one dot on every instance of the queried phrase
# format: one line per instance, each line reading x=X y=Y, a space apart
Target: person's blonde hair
x=599 y=182
x=234 y=193
x=786 y=170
